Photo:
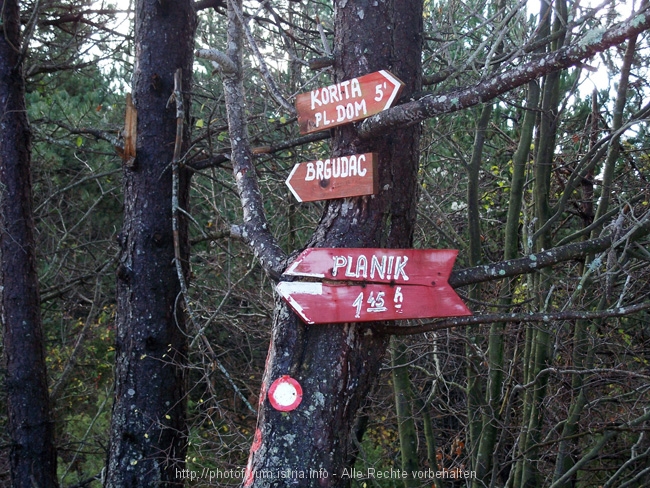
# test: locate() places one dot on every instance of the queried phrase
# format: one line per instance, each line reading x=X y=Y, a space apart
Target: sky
x=598 y=79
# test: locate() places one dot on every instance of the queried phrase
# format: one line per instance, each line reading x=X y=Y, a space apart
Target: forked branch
x=255 y=230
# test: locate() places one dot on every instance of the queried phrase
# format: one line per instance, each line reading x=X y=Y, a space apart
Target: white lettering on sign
x=380 y=268
x=346 y=112
x=398 y=298
x=343 y=167
x=343 y=97
x=345 y=90
x=376 y=303
x=358 y=303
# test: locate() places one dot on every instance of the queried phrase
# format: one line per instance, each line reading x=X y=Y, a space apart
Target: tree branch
x=274 y=91
x=219 y=159
x=544 y=317
x=177 y=96
x=255 y=230
x=534 y=262
x=218 y=57
x=431 y=105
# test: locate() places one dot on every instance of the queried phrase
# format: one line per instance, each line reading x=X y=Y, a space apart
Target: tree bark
x=404 y=407
x=475 y=384
x=148 y=442
x=32 y=453
x=337 y=364
x=538 y=339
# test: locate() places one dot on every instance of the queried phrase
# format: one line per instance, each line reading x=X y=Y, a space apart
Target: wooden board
x=346 y=102
x=330 y=303
x=346 y=176
x=401 y=266
x=360 y=285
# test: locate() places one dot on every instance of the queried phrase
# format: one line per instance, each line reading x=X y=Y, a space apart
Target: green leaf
x=199 y=124
x=80 y=141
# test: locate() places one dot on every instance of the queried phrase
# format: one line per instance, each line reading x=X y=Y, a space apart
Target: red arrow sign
x=346 y=102
x=398 y=266
x=347 y=176
x=387 y=284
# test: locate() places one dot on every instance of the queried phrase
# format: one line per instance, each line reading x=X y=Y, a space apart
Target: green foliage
x=78 y=205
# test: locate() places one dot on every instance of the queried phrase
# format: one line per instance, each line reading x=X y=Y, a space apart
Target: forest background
x=520 y=140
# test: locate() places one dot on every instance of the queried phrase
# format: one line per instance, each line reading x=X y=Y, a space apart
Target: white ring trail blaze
x=285 y=394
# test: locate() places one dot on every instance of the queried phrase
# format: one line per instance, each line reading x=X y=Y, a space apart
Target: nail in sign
x=361 y=285
x=345 y=176
x=348 y=101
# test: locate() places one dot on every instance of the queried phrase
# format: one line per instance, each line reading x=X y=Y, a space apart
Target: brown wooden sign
x=346 y=102
x=342 y=177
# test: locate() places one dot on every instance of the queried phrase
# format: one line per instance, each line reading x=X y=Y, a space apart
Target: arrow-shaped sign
x=345 y=176
x=360 y=285
x=346 y=102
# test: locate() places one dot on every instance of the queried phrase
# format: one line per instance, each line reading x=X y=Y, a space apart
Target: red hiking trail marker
x=361 y=285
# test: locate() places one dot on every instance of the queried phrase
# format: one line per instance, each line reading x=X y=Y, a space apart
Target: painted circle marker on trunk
x=285 y=394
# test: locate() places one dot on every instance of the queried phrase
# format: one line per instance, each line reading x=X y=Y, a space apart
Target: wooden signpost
x=346 y=102
x=360 y=285
x=346 y=176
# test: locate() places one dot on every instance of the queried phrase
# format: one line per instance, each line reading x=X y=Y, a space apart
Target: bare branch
x=218 y=159
x=593 y=452
x=220 y=58
x=543 y=317
x=431 y=105
x=177 y=96
x=327 y=50
x=255 y=229
x=270 y=82
x=534 y=262
x=321 y=62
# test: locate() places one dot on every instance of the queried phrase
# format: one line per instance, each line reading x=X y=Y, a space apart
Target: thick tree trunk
x=32 y=453
x=148 y=442
x=337 y=364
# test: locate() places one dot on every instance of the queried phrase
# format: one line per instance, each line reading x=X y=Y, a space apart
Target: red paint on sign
x=346 y=102
x=345 y=176
x=403 y=266
x=285 y=394
x=362 y=285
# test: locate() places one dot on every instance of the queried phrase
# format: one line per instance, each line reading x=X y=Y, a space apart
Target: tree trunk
x=538 y=339
x=475 y=384
x=337 y=364
x=582 y=352
x=148 y=441
x=32 y=453
x=404 y=406
x=496 y=359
